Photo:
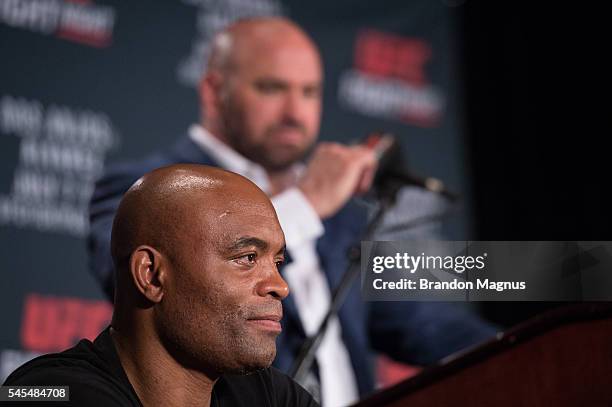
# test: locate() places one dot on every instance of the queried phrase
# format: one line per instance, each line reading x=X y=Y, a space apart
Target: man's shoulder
x=267 y=386
x=76 y=359
x=118 y=176
x=90 y=378
x=183 y=151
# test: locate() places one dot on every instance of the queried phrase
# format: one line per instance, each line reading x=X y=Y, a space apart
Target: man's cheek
x=227 y=291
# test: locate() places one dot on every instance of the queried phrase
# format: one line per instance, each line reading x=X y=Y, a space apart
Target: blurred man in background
x=261 y=109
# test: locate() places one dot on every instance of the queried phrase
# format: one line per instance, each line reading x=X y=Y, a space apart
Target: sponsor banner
x=85 y=83
x=486 y=271
x=60 y=155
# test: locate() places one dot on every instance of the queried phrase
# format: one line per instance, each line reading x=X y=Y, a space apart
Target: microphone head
x=391 y=173
x=388 y=153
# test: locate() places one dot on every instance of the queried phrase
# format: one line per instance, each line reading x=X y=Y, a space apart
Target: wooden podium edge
x=531 y=328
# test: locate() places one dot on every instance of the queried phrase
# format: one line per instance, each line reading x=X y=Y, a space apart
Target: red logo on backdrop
x=52 y=324
x=392 y=56
x=80 y=21
x=389 y=79
x=88 y=24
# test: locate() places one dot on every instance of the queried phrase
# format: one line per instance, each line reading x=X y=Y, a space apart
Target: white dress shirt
x=308 y=285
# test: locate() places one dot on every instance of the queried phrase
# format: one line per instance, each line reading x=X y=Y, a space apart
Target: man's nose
x=272 y=284
x=295 y=106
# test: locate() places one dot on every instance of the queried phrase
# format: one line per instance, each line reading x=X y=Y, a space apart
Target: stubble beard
x=230 y=347
x=273 y=158
x=255 y=351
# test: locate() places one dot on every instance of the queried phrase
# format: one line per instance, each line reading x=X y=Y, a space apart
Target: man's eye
x=247 y=259
x=279 y=263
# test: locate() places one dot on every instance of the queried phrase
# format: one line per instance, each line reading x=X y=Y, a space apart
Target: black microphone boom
x=429 y=183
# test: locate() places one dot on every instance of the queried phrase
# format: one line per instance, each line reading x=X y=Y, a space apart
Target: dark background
x=538 y=120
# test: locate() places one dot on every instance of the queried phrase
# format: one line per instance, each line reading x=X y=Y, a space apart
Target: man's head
x=197 y=251
x=262 y=91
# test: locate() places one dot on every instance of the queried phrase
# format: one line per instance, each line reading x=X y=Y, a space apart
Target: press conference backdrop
x=87 y=82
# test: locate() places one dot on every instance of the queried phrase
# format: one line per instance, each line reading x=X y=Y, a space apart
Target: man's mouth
x=266 y=322
x=288 y=135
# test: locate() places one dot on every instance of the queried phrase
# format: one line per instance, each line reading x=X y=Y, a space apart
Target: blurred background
x=482 y=97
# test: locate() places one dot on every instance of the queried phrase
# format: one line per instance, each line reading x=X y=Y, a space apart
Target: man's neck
x=280 y=181
x=158 y=378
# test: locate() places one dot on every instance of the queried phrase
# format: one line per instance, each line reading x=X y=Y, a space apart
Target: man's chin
x=253 y=364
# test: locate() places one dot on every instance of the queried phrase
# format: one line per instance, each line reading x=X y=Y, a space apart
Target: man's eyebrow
x=270 y=81
x=314 y=85
x=248 y=241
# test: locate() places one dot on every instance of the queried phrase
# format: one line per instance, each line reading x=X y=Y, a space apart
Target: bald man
x=197 y=301
x=261 y=111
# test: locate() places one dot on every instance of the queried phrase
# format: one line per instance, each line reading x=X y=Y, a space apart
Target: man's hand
x=334 y=173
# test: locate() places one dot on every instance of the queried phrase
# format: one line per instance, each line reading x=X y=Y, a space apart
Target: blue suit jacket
x=411 y=332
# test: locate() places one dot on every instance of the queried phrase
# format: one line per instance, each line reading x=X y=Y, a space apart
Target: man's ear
x=147 y=272
x=211 y=88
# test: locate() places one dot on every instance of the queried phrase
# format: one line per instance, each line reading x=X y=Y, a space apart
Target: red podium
x=560 y=358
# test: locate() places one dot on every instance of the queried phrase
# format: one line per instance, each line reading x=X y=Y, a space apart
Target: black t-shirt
x=95 y=377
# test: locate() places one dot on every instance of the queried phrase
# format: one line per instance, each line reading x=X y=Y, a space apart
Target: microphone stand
x=387 y=193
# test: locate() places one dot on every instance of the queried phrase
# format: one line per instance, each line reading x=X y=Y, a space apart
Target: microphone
x=390 y=168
